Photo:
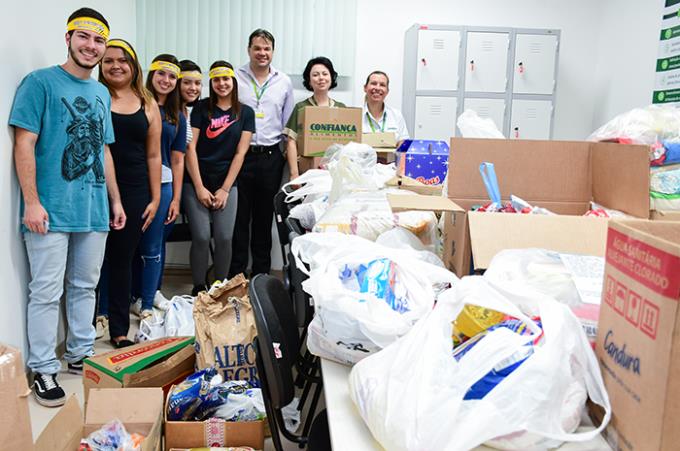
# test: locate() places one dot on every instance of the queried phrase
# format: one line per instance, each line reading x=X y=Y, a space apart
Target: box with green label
x=156 y=363
x=323 y=126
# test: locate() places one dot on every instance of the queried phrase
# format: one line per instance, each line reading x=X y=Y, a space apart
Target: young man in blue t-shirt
x=62 y=128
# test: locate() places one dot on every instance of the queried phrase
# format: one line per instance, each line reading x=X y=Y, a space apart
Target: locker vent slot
x=438 y=44
x=483 y=111
x=536 y=48
x=532 y=113
x=435 y=110
x=487 y=46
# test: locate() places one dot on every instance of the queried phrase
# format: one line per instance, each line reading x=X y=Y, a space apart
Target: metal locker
x=534 y=67
x=436 y=118
x=531 y=119
x=486 y=62
x=493 y=109
x=437 y=60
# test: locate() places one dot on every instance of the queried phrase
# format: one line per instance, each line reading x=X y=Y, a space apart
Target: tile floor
x=175 y=282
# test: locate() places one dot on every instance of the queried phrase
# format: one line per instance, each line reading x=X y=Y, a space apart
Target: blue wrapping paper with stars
x=423 y=160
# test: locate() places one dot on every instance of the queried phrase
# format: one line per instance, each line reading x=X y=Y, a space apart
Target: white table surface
x=349 y=432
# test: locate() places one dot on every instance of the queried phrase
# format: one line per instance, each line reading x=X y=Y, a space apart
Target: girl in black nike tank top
x=222 y=128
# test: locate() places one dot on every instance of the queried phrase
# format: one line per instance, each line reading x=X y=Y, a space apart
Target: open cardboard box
x=139 y=409
x=156 y=363
x=15 y=420
x=562 y=176
x=219 y=433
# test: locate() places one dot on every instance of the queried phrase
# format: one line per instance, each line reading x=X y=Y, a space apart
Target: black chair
x=281 y=211
x=294 y=226
x=276 y=349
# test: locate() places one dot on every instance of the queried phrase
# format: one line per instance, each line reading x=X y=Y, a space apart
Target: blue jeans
x=54 y=258
x=148 y=265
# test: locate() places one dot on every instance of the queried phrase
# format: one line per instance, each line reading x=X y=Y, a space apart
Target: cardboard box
x=562 y=176
x=157 y=363
x=15 y=420
x=423 y=160
x=214 y=432
x=638 y=340
x=380 y=141
x=421 y=202
x=409 y=184
x=307 y=163
x=139 y=409
x=322 y=126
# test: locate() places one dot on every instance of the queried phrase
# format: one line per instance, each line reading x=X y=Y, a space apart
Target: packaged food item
x=504 y=368
x=112 y=437
x=225 y=329
x=474 y=320
x=205 y=395
x=187 y=396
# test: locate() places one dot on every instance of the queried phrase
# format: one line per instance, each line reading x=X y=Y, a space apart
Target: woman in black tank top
x=137 y=160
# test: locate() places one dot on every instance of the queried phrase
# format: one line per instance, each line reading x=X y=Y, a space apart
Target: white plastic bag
x=573 y=280
x=179 y=319
x=407 y=390
x=368 y=214
x=348 y=324
x=308 y=213
x=473 y=126
x=151 y=328
x=313 y=182
x=642 y=126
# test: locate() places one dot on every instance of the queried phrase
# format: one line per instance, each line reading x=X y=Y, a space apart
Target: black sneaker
x=76 y=367
x=47 y=390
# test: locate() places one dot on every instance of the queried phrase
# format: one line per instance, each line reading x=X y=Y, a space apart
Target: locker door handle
x=472 y=65
x=424 y=61
x=516 y=130
x=520 y=67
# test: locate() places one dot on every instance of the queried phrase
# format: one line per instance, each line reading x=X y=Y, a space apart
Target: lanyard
x=371 y=121
x=259 y=92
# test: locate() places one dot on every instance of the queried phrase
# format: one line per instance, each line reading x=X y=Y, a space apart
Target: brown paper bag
x=225 y=329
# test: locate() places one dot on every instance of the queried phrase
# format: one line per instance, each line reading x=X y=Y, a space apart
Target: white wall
x=32 y=36
x=382 y=23
x=627 y=51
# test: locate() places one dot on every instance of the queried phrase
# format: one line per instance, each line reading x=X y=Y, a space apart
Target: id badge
x=259 y=114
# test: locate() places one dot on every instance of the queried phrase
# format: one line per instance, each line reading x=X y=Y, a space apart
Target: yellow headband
x=119 y=43
x=193 y=74
x=166 y=66
x=89 y=24
x=221 y=71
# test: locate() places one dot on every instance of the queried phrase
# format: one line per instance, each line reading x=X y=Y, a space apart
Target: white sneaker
x=101 y=325
x=136 y=307
x=160 y=301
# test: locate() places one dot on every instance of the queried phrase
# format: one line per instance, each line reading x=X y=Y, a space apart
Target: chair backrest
x=281 y=210
x=293 y=225
x=277 y=334
x=304 y=312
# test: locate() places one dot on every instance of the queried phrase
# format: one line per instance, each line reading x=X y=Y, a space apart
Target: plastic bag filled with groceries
x=574 y=280
x=365 y=295
x=521 y=384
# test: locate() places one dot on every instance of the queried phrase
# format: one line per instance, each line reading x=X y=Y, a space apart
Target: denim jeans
x=54 y=258
x=148 y=264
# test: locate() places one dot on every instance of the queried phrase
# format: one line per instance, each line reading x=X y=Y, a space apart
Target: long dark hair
x=212 y=100
x=172 y=101
x=136 y=83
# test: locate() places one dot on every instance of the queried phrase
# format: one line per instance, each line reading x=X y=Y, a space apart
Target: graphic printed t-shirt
x=72 y=118
x=218 y=139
